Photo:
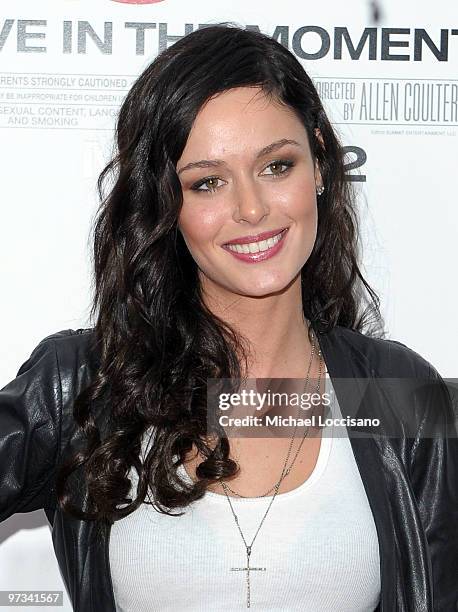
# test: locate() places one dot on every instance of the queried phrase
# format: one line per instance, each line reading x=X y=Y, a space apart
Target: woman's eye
x=277 y=166
x=210 y=181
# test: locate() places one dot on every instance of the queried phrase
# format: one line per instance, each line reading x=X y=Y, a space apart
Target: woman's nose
x=249 y=203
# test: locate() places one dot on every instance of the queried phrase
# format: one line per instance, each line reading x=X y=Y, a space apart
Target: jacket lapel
x=345 y=361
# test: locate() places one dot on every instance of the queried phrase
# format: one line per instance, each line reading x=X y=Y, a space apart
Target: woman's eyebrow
x=213 y=163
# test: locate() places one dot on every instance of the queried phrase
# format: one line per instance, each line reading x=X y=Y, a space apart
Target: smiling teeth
x=256 y=247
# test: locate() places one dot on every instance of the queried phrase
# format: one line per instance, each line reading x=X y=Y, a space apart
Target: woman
x=222 y=139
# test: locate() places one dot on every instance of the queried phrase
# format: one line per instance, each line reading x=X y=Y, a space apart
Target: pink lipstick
x=257 y=248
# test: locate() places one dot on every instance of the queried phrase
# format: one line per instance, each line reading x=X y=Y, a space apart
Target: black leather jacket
x=411 y=482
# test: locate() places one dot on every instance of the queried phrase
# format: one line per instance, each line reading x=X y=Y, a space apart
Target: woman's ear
x=319 y=136
x=318 y=177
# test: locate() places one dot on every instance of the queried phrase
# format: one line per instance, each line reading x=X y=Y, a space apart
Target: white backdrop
x=391 y=89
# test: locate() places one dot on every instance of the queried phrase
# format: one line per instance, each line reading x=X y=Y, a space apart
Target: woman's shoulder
x=56 y=352
x=33 y=418
x=61 y=364
x=387 y=356
x=74 y=348
x=408 y=380
x=70 y=339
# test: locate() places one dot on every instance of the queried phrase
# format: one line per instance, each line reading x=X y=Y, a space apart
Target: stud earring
x=320 y=190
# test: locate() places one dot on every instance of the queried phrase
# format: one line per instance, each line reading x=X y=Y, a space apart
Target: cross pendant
x=248 y=569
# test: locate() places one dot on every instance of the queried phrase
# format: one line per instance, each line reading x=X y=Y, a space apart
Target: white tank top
x=318 y=544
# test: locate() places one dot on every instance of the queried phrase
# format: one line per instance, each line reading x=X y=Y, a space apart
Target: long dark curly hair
x=157 y=341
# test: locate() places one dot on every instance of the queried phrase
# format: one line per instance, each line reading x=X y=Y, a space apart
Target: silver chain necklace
x=284 y=473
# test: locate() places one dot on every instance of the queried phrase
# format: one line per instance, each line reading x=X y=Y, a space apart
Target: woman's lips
x=260 y=255
x=257 y=238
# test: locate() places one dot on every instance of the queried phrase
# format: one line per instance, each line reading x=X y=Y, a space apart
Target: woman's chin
x=260 y=289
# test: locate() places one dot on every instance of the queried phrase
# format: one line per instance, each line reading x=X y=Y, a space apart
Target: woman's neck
x=274 y=327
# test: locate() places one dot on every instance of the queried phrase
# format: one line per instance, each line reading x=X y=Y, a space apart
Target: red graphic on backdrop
x=138 y=1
